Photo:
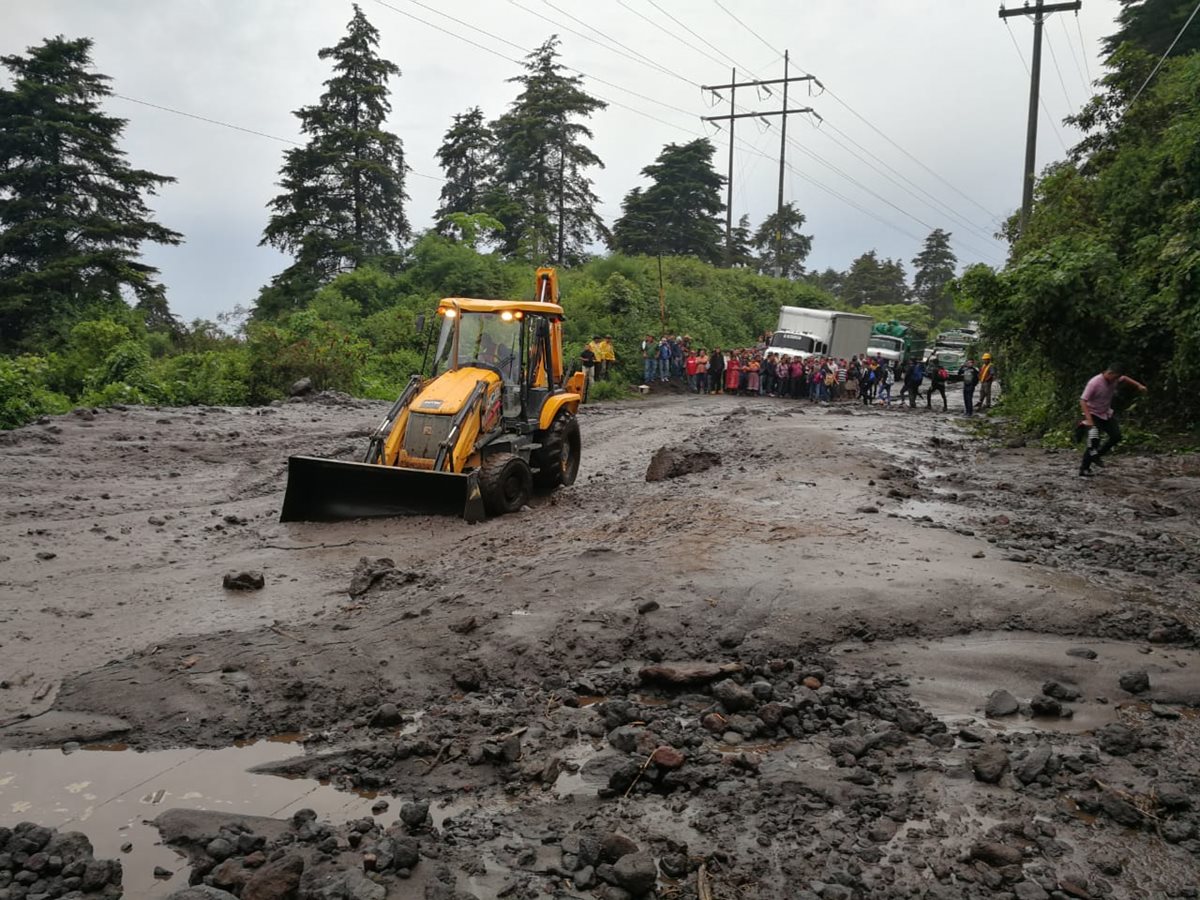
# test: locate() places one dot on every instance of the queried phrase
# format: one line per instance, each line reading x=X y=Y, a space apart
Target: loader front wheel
x=558 y=460
x=505 y=482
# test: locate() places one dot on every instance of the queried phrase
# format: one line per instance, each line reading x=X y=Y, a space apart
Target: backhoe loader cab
x=493 y=420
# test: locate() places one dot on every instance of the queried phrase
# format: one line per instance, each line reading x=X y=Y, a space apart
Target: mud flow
x=759 y=649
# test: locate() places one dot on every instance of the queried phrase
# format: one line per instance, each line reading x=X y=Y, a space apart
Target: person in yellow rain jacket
x=594 y=346
x=606 y=357
x=987 y=375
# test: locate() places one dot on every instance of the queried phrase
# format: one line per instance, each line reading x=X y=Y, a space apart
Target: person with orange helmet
x=987 y=375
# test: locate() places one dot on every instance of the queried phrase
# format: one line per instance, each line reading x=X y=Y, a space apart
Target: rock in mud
x=367 y=572
x=668 y=758
x=1117 y=739
x=1060 y=691
x=1047 y=707
x=1082 y=652
x=675 y=462
x=278 y=880
x=989 y=764
x=348 y=885
x=688 y=672
x=1137 y=682
x=387 y=716
x=219 y=849
x=636 y=873
x=1030 y=890
x=1001 y=703
x=1034 y=763
x=414 y=814
x=996 y=854
x=244 y=581
x=1119 y=809
x=201 y=892
x=733 y=696
x=614 y=845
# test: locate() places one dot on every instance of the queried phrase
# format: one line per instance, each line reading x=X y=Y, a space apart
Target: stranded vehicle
x=820 y=332
x=495 y=418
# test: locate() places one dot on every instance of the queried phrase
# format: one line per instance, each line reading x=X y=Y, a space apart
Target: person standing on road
x=1098 y=415
x=588 y=360
x=912 y=383
x=664 y=358
x=970 y=377
x=689 y=369
x=733 y=373
x=987 y=375
x=607 y=358
x=702 y=363
x=716 y=370
x=937 y=382
x=649 y=358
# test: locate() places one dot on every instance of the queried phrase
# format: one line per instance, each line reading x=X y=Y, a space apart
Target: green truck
x=894 y=341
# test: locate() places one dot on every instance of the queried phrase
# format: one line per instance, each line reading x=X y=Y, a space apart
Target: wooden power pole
x=1039 y=11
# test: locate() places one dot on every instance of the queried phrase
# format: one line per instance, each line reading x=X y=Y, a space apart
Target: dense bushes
x=358 y=333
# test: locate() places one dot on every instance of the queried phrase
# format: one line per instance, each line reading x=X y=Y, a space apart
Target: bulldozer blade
x=329 y=490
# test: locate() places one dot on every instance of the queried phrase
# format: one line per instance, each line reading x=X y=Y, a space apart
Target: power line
x=1083 y=52
x=1150 y=77
x=636 y=53
x=1087 y=91
x=1061 y=81
x=230 y=125
x=735 y=18
x=1041 y=100
x=701 y=38
x=672 y=34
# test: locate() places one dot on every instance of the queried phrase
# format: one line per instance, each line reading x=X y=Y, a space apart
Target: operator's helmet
x=987 y=357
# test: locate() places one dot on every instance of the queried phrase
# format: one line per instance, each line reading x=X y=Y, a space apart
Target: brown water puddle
x=111 y=794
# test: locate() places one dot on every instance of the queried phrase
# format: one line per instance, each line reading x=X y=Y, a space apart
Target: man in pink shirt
x=1096 y=406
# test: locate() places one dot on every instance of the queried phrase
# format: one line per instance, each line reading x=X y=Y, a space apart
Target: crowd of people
x=756 y=372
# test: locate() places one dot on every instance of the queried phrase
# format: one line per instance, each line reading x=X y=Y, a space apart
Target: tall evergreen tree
x=935 y=266
x=874 y=282
x=1151 y=26
x=343 y=191
x=542 y=195
x=72 y=210
x=743 y=256
x=781 y=247
x=679 y=214
x=467 y=156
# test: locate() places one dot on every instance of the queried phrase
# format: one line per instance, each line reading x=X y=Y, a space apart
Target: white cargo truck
x=820 y=332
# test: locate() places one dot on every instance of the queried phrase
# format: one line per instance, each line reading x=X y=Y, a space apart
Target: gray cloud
x=941 y=79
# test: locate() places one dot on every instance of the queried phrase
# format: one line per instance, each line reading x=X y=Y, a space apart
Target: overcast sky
x=940 y=78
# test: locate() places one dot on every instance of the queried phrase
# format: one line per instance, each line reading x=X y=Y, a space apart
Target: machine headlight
x=506 y=316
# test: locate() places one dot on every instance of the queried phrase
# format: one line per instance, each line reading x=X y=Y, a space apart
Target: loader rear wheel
x=505 y=482
x=558 y=460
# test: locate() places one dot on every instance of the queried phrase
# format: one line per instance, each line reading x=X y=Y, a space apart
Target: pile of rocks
x=39 y=862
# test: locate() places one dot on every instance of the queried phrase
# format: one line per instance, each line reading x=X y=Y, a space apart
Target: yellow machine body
x=495 y=416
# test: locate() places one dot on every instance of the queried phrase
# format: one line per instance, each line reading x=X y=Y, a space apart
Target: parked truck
x=820 y=332
x=894 y=341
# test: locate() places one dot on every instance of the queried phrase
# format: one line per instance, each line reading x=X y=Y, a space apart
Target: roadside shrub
x=608 y=390
x=23 y=392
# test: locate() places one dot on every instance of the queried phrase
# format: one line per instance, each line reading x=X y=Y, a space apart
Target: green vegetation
x=1108 y=269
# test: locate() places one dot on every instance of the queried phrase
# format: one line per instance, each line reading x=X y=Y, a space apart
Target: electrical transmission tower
x=1039 y=13
x=731 y=118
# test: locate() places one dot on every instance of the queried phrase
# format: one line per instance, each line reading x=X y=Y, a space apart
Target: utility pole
x=782 y=160
x=732 y=117
x=729 y=180
x=1039 y=13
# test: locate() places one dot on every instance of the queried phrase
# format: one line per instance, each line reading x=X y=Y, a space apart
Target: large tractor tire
x=506 y=483
x=558 y=460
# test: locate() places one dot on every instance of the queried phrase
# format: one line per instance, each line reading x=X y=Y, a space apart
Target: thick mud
x=868 y=654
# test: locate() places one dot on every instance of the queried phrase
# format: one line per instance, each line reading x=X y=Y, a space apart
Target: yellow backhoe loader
x=495 y=418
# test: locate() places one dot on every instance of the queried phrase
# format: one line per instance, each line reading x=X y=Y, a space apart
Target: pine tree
x=1151 y=26
x=782 y=248
x=343 y=191
x=935 y=266
x=72 y=210
x=542 y=195
x=467 y=156
x=678 y=215
x=742 y=255
x=874 y=282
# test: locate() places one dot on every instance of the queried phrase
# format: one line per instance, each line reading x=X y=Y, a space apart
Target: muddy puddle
x=111 y=794
x=953 y=677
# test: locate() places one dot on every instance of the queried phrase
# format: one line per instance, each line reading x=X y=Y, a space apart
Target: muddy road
x=866 y=654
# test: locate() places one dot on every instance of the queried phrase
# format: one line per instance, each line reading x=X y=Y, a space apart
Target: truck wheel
x=558 y=460
x=505 y=482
